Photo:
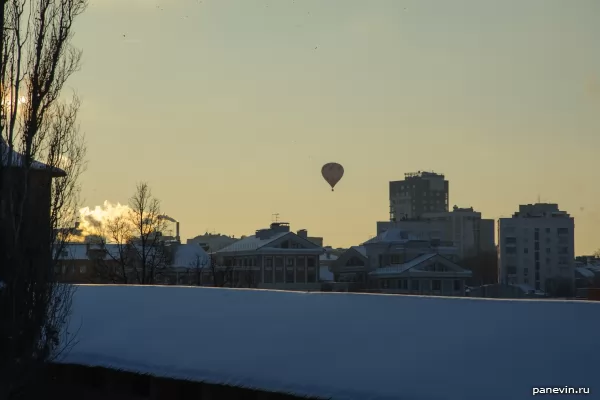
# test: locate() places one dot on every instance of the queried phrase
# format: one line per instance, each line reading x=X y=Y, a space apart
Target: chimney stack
x=303 y=233
x=177 y=231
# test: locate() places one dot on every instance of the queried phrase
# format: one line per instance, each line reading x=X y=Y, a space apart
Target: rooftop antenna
x=275 y=217
x=539 y=199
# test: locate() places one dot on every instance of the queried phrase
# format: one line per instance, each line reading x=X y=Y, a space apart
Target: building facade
x=417 y=194
x=397 y=261
x=464 y=227
x=273 y=258
x=537 y=247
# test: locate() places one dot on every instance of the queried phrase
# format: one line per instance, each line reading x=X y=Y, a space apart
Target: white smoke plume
x=91 y=221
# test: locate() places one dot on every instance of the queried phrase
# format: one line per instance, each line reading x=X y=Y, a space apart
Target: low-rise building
x=275 y=258
x=397 y=261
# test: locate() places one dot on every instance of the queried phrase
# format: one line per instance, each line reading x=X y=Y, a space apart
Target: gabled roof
x=190 y=256
x=360 y=249
x=18 y=160
x=394 y=235
x=414 y=263
x=251 y=243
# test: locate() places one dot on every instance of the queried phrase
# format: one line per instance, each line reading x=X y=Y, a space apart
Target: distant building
x=276 y=257
x=398 y=262
x=464 y=227
x=417 y=194
x=212 y=242
x=536 y=247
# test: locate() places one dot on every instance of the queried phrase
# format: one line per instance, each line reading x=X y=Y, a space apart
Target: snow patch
x=339 y=345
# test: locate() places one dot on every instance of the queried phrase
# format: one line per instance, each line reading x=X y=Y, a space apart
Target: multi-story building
x=464 y=227
x=536 y=248
x=273 y=258
x=418 y=193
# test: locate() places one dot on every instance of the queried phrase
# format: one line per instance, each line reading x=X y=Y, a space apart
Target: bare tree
x=135 y=253
x=148 y=224
x=196 y=269
x=36 y=60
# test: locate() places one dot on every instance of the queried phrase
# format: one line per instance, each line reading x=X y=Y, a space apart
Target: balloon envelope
x=332 y=172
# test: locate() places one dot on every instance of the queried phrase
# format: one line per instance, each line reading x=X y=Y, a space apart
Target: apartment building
x=537 y=248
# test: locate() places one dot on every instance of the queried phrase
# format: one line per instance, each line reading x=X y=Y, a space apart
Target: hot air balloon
x=332 y=172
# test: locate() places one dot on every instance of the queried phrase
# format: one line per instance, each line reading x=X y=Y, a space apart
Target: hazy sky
x=230 y=108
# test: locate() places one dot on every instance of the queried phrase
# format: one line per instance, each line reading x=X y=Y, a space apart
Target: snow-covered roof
x=79 y=251
x=190 y=256
x=361 y=249
x=251 y=243
x=398 y=269
x=18 y=160
x=325 y=275
x=399 y=358
x=585 y=272
x=327 y=256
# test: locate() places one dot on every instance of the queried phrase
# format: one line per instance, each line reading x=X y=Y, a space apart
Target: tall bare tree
x=135 y=253
x=36 y=123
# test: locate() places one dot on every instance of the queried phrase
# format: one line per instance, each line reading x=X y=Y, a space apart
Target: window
x=525 y=271
x=436 y=285
x=381 y=260
x=457 y=285
x=269 y=262
x=285 y=244
x=537 y=286
x=511 y=270
x=311 y=274
x=289 y=261
x=536 y=235
x=414 y=285
x=289 y=275
x=301 y=274
x=511 y=240
x=300 y=261
x=537 y=257
x=526 y=281
x=278 y=274
x=537 y=276
x=385 y=283
x=537 y=246
x=403 y=284
x=547 y=230
x=268 y=274
x=548 y=250
x=310 y=261
x=82 y=269
x=526 y=250
x=396 y=259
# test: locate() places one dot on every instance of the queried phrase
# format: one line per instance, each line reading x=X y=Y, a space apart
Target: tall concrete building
x=537 y=247
x=419 y=193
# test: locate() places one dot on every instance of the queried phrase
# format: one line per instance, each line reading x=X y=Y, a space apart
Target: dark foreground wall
x=74 y=382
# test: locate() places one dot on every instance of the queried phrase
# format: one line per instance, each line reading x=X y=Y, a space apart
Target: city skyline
x=229 y=110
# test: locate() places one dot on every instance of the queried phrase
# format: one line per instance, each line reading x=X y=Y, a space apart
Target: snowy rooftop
x=251 y=243
x=18 y=160
x=346 y=346
x=190 y=256
x=361 y=249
